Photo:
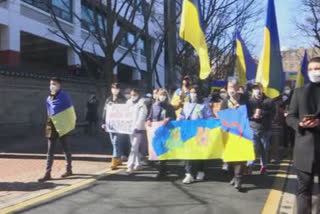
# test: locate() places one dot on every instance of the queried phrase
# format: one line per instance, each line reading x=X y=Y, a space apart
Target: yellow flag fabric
x=192 y=32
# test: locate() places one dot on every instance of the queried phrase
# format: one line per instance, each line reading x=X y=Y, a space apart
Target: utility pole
x=170 y=42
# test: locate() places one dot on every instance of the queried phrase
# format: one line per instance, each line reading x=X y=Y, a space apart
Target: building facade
x=27 y=39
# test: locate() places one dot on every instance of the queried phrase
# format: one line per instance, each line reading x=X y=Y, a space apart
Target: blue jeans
x=261 y=143
x=116 y=144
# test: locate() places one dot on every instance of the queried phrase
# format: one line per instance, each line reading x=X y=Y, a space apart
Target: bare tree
x=220 y=19
x=310 y=26
x=99 y=20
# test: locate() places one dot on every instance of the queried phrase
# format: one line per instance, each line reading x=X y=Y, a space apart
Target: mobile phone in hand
x=309 y=117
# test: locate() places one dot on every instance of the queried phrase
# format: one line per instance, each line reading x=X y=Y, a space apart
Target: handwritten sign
x=119 y=119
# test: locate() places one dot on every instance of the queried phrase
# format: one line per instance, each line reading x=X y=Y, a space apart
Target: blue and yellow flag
x=218 y=84
x=270 y=71
x=302 y=77
x=191 y=31
x=62 y=114
x=245 y=64
x=229 y=138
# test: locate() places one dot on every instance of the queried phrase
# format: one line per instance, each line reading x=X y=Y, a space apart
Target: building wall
x=23 y=109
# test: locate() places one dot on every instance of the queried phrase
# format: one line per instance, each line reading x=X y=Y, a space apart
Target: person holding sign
x=195 y=110
x=140 y=111
x=233 y=101
x=115 y=138
x=161 y=110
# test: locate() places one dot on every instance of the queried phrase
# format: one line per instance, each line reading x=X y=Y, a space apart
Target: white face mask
x=256 y=93
x=314 y=76
x=162 y=98
x=115 y=91
x=54 y=88
x=287 y=91
x=193 y=97
x=223 y=95
x=231 y=92
x=134 y=98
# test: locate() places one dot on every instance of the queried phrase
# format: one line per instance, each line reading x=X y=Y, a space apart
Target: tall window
x=62 y=8
x=88 y=19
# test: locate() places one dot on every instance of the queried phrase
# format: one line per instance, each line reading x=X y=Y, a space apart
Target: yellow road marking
x=273 y=201
x=56 y=193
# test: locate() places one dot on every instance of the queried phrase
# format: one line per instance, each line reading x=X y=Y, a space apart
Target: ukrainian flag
x=61 y=113
x=302 y=77
x=191 y=31
x=245 y=64
x=270 y=71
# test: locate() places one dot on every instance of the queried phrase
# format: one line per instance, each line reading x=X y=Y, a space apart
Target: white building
x=27 y=42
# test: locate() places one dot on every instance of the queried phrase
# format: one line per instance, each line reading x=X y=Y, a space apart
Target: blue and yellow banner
x=302 y=77
x=270 y=71
x=61 y=113
x=245 y=64
x=218 y=84
x=228 y=138
x=191 y=31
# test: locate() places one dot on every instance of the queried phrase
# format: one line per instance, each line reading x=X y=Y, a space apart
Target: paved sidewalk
x=23 y=161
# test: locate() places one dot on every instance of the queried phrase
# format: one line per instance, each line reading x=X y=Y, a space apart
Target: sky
x=287 y=12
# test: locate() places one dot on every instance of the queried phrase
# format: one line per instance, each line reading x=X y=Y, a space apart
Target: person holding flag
x=61 y=121
x=191 y=30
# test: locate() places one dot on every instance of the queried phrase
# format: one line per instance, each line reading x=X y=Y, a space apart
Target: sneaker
x=225 y=167
x=46 y=177
x=233 y=181
x=200 y=176
x=188 y=179
x=263 y=170
x=129 y=171
x=67 y=174
x=238 y=184
x=137 y=168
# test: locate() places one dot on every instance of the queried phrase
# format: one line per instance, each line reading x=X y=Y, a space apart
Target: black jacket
x=160 y=111
x=267 y=106
x=307 y=141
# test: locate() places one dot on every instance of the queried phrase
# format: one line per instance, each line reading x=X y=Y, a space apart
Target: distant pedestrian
x=60 y=121
x=92 y=114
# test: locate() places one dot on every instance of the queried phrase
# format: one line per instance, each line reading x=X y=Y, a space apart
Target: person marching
x=140 y=111
x=233 y=101
x=181 y=95
x=195 y=110
x=115 y=138
x=61 y=120
x=304 y=118
x=161 y=110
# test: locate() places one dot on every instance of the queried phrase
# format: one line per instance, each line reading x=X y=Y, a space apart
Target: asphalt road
x=141 y=193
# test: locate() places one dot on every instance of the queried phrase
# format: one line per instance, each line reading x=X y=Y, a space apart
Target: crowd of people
x=190 y=102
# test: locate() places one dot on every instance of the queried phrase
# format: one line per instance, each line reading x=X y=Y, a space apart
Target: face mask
x=223 y=95
x=53 y=88
x=256 y=93
x=314 y=76
x=193 y=97
x=134 y=98
x=231 y=92
x=127 y=96
x=115 y=91
x=284 y=98
x=162 y=98
x=287 y=91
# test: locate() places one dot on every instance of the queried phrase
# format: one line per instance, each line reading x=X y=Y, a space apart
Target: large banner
x=229 y=138
x=119 y=119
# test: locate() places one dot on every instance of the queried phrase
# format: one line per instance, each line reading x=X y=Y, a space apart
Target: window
x=62 y=8
x=88 y=19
